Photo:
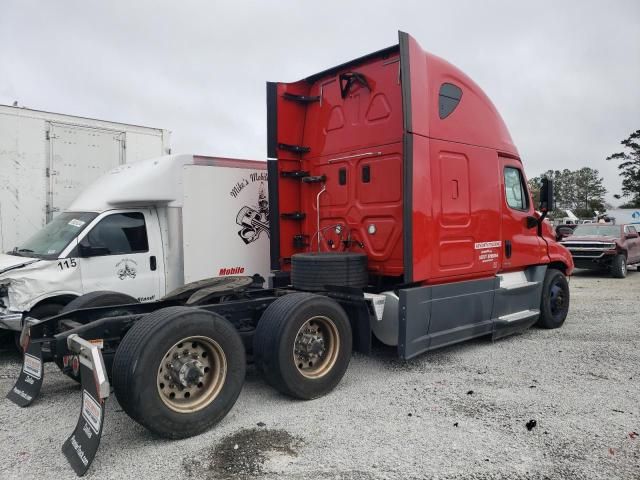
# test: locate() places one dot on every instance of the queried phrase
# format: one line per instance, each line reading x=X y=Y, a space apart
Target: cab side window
x=120 y=233
x=515 y=190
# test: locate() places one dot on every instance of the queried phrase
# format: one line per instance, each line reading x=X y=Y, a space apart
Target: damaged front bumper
x=11 y=321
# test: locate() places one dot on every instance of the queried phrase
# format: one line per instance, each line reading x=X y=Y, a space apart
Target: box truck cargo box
x=46 y=159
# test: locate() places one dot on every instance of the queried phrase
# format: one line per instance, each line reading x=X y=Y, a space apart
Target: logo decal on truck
x=254 y=219
x=126 y=268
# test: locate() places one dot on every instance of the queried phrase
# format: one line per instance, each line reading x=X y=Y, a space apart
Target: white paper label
x=76 y=223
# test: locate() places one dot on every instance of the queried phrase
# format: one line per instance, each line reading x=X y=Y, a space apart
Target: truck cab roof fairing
x=310 y=123
x=475 y=120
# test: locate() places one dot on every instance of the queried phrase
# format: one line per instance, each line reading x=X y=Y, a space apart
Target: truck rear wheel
x=179 y=371
x=619 y=266
x=554 y=305
x=303 y=345
x=101 y=298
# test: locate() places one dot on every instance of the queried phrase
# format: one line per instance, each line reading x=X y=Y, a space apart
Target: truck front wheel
x=619 y=266
x=303 y=345
x=179 y=371
x=554 y=305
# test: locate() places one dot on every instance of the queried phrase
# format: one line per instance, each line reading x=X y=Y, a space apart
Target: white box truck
x=143 y=229
x=46 y=159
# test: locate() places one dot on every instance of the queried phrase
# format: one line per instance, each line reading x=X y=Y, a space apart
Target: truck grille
x=588 y=249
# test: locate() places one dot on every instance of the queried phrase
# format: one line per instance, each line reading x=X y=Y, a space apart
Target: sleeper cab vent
x=448 y=99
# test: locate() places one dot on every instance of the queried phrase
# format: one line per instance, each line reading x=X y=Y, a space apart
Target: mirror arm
x=540 y=220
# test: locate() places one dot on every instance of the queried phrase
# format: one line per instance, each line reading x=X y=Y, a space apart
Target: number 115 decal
x=66 y=264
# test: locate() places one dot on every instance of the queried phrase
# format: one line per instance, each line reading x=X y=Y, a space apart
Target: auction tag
x=91 y=411
x=32 y=366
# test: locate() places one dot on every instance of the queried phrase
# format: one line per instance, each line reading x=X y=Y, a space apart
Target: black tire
x=40 y=312
x=141 y=353
x=619 y=266
x=315 y=270
x=554 y=305
x=275 y=338
x=99 y=298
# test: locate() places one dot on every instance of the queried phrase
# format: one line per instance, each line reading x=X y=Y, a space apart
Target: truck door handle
x=507 y=248
x=152 y=263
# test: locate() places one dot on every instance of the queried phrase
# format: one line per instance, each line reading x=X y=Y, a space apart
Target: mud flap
x=29 y=383
x=81 y=447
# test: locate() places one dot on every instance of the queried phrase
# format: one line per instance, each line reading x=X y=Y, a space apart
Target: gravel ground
x=458 y=413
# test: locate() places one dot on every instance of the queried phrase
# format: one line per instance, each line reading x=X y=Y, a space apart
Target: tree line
x=582 y=191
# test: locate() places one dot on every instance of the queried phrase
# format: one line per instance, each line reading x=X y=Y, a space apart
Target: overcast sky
x=565 y=75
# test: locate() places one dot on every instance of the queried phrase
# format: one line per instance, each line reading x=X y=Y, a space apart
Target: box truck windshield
x=55 y=236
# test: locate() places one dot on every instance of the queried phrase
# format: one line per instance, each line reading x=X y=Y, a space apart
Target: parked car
x=605 y=247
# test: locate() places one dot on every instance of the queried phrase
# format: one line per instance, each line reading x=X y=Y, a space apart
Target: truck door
x=122 y=252
x=633 y=244
x=78 y=155
x=521 y=245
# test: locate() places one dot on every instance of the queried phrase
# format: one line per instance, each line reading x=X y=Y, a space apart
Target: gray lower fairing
x=435 y=316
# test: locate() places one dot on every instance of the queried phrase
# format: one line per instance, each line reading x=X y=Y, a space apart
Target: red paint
x=457 y=182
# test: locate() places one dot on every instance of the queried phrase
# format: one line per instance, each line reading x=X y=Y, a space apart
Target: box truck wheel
x=99 y=298
x=619 y=266
x=554 y=304
x=179 y=370
x=303 y=345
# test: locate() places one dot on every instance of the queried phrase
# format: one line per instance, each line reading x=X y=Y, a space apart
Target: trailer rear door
x=77 y=156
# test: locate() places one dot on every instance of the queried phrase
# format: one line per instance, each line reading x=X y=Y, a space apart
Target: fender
x=51 y=296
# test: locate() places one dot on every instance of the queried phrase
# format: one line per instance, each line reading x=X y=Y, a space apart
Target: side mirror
x=547 y=201
x=85 y=250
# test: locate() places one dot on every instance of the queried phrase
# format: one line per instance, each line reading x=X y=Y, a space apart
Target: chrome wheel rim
x=191 y=374
x=316 y=347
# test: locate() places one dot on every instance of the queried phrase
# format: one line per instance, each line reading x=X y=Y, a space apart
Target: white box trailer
x=143 y=229
x=47 y=159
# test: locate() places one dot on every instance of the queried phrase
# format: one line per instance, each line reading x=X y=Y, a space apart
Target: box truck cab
x=143 y=229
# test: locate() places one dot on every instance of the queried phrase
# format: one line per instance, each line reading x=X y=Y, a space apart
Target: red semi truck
x=398 y=210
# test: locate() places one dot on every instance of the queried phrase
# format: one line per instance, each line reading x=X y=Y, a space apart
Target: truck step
x=294 y=148
x=518 y=286
x=300 y=98
x=293 y=216
x=294 y=174
x=517 y=316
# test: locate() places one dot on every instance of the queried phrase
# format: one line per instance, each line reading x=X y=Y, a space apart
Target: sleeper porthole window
x=448 y=99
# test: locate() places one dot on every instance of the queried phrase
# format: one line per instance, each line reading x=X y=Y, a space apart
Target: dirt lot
x=459 y=413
